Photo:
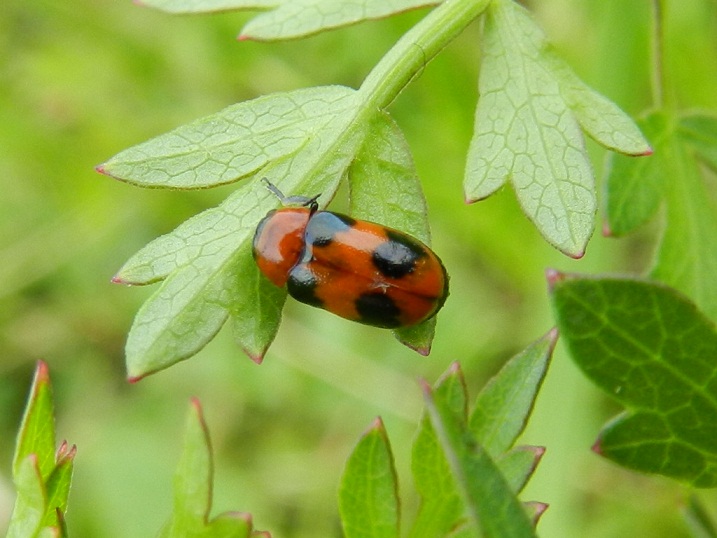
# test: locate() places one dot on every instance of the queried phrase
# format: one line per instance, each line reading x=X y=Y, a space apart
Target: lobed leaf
x=441 y=507
x=233 y=143
x=505 y=403
x=651 y=349
x=527 y=130
x=368 y=495
x=491 y=505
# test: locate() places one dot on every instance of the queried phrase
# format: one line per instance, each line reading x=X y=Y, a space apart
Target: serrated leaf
x=384 y=170
x=234 y=143
x=491 y=505
x=649 y=348
x=208 y=6
x=503 y=406
x=368 y=495
x=31 y=501
x=441 y=507
x=37 y=431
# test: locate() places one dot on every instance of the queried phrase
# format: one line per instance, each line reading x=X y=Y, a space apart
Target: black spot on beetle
x=324 y=225
x=397 y=257
x=302 y=285
x=378 y=309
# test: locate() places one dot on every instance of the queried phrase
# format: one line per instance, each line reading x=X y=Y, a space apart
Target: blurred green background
x=81 y=80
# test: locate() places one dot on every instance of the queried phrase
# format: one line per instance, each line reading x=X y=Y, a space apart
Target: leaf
x=298 y=18
x=200 y=259
x=58 y=486
x=234 y=143
x=304 y=142
x=527 y=130
x=441 y=506
x=193 y=482
x=687 y=255
x=491 y=505
x=635 y=187
x=255 y=309
x=30 y=504
x=192 y=479
x=384 y=170
x=651 y=349
x=368 y=496
x=700 y=131
x=505 y=403
x=286 y=19
x=37 y=431
x=518 y=465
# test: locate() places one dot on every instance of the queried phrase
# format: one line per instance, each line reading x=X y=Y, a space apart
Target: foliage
x=101 y=76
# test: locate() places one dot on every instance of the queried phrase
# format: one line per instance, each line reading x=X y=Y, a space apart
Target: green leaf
x=527 y=129
x=192 y=479
x=651 y=349
x=518 y=465
x=298 y=18
x=58 y=486
x=687 y=255
x=505 y=403
x=368 y=496
x=234 y=143
x=384 y=170
x=31 y=501
x=635 y=187
x=441 y=506
x=37 y=432
x=491 y=505
x=255 y=309
x=229 y=525
x=287 y=19
x=700 y=131
x=304 y=142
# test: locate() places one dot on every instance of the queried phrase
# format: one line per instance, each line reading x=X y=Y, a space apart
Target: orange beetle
x=359 y=270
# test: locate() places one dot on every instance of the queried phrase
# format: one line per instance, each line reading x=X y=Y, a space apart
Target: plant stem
x=416 y=48
x=658 y=60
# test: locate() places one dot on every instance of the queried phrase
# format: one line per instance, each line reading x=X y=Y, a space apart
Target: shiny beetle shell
x=359 y=270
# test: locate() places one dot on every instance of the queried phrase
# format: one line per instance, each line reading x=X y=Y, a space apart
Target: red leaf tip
x=42 y=372
x=553 y=276
x=597 y=447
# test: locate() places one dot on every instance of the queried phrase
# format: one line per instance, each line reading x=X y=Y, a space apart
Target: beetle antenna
x=273 y=188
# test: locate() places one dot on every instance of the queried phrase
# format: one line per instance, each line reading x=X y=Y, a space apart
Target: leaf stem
x=416 y=48
x=658 y=60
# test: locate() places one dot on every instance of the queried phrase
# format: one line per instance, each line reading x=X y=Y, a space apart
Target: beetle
x=359 y=270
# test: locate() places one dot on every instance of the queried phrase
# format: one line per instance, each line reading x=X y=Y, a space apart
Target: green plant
x=649 y=347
